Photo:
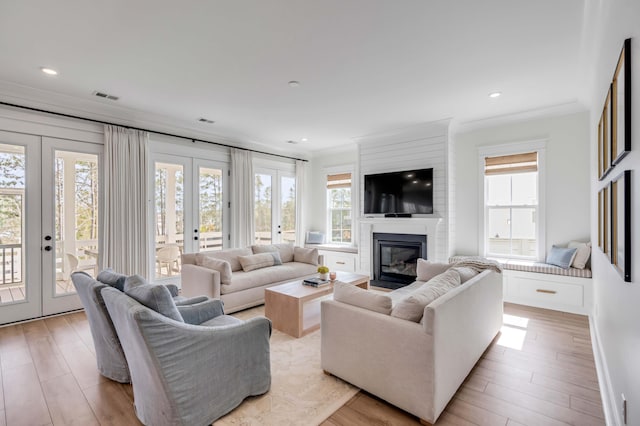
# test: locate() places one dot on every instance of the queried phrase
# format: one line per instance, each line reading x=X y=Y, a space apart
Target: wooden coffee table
x=294 y=308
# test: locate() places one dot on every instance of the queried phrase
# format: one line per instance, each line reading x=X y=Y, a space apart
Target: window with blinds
x=511 y=205
x=339 y=208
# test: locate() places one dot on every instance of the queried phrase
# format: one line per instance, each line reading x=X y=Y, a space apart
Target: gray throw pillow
x=112 y=278
x=134 y=281
x=157 y=298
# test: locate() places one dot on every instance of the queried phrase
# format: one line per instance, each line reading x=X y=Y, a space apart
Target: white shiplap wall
x=418 y=147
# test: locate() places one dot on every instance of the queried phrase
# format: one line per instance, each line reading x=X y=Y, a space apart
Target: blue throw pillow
x=561 y=256
x=110 y=277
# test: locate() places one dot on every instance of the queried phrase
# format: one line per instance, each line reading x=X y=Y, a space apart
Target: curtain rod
x=77 y=117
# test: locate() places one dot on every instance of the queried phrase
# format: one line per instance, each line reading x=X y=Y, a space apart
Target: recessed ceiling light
x=304 y=139
x=49 y=71
x=294 y=83
x=495 y=94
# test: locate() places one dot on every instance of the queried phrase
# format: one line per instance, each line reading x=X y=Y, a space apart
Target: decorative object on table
x=315 y=282
x=332 y=275
x=621 y=106
x=324 y=272
x=620 y=224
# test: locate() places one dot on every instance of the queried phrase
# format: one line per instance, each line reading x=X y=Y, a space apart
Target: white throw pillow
x=412 y=308
x=259 y=261
x=583 y=253
x=356 y=296
x=305 y=255
x=426 y=269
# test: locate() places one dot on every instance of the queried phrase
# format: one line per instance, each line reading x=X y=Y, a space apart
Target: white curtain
x=242 y=198
x=300 y=233
x=125 y=242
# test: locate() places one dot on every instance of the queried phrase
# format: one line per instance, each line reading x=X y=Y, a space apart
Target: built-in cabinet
x=340 y=258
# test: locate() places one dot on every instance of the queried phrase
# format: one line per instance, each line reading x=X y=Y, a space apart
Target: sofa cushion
x=305 y=255
x=412 y=307
x=583 y=252
x=356 y=296
x=134 y=281
x=219 y=265
x=273 y=274
x=259 y=261
x=231 y=256
x=465 y=272
x=157 y=298
x=285 y=250
x=112 y=278
x=426 y=269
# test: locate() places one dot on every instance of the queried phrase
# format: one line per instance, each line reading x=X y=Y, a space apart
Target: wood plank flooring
x=539 y=372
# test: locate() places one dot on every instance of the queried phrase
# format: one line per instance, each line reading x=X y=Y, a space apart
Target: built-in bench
x=546 y=286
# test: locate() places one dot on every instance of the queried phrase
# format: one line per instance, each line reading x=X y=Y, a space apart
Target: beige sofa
x=239 y=276
x=416 y=366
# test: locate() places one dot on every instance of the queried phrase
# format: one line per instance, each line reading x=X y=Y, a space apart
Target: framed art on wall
x=620 y=224
x=604 y=139
x=621 y=106
x=603 y=219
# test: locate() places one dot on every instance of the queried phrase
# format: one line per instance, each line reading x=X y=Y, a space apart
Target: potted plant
x=323 y=271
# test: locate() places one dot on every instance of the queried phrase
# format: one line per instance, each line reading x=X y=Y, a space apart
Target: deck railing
x=11 y=256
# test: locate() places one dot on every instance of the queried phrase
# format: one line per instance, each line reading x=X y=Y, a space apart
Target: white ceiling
x=365 y=66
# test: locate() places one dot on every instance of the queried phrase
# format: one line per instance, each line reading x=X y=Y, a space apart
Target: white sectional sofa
x=239 y=276
x=416 y=366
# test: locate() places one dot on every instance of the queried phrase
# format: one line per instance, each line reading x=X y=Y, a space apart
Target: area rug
x=301 y=394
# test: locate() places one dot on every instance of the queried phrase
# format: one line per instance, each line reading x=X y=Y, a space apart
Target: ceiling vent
x=106 y=96
x=204 y=120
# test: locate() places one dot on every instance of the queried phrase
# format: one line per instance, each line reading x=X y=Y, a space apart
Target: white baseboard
x=611 y=414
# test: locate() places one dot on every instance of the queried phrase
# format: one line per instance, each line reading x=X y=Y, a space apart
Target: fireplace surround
x=395 y=256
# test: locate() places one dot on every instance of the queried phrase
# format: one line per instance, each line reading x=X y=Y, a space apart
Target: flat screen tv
x=407 y=192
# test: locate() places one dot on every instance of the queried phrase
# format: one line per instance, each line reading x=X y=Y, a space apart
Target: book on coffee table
x=315 y=282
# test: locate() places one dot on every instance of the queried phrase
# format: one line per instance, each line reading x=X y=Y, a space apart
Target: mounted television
x=399 y=193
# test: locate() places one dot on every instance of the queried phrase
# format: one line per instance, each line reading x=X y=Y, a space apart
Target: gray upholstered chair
x=189 y=365
x=109 y=355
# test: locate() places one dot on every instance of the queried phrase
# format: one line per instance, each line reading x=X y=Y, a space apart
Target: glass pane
x=288 y=209
x=499 y=231
x=263 y=209
x=524 y=189
x=12 y=186
x=498 y=190
x=76 y=216
x=523 y=231
x=340 y=215
x=169 y=214
x=210 y=203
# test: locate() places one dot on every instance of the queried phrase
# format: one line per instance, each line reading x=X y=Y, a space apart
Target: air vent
x=106 y=96
x=205 y=120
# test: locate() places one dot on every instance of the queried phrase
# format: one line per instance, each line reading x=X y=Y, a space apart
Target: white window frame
x=334 y=171
x=539 y=146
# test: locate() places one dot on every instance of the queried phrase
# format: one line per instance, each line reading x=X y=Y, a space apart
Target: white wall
x=316 y=189
x=617 y=303
x=567 y=177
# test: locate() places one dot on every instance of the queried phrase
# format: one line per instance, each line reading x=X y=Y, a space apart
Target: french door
x=49 y=222
x=190 y=211
x=275 y=206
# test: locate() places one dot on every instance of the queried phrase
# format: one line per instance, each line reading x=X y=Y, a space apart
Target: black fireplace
x=395 y=257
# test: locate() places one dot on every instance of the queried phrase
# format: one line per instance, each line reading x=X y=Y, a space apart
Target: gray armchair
x=189 y=365
x=109 y=355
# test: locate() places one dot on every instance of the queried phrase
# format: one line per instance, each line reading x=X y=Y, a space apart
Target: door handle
x=195 y=238
x=47 y=238
x=47 y=248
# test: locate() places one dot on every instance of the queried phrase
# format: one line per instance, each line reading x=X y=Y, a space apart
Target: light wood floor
x=49 y=376
x=540 y=371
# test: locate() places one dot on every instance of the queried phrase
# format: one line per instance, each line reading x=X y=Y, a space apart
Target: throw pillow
x=305 y=255
x=412 y=308
x=561 y=256
x=258 y=261
x=356 y=296
x=222 y=266
x=112 y=278
x=231 y=256
x=426 y=269
x=134 y=281
x=157 y=298
x=465 y=272
x=285 y=250
x=583 y=252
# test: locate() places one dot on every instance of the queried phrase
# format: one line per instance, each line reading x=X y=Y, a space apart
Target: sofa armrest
x=198 y=281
